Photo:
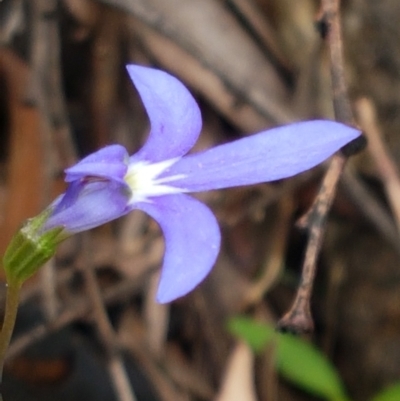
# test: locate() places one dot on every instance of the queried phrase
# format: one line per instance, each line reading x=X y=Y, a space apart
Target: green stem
x=10 y=315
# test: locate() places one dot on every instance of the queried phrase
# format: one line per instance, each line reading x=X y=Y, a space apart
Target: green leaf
x=256 y=335
x=304 y=365
x=297 y=360
x=391 y=393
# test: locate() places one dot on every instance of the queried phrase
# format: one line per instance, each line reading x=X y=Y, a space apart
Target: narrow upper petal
x=110 y=162
x=174 y=115
x=192 y=242
x=87 y=204
x=270 y=155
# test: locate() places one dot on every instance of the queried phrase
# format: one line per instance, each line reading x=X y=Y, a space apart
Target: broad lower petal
x=174 y=115
x=192 y=242
x=88 y=204
x=270 y=155
x=110 y=162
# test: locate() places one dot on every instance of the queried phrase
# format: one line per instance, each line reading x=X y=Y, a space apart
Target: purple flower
x=109 y=183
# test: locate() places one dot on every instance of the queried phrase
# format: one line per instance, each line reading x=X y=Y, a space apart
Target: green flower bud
x=30 y=248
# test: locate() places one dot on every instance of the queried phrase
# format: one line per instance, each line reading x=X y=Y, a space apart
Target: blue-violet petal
x=87 y=204
x=174 y=115
x=267 y=156
x=192 y=242
x=110 y=162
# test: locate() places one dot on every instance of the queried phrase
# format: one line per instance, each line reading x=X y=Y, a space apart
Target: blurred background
x=251 y=64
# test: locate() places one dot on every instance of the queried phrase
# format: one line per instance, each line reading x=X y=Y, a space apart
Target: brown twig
x=12 y=21
x=371 y=208
x=106 y=332
x=156 y=318
x=45 y=92
x=386 y=166
x=250 y=15
x=77 y=310
x=299 y=318
x=274 y=259
x=160 y=28
x=46 y=87
x=341 y=103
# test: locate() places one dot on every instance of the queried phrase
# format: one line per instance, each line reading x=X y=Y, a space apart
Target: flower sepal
x=30 y=248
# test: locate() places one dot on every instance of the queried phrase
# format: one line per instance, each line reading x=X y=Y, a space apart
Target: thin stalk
x=10 y=315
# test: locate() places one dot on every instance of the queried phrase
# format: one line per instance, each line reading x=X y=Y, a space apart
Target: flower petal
x=88 y=204
x=192 y=242
x=270 y=155
x=175 y=118
x=110 y=162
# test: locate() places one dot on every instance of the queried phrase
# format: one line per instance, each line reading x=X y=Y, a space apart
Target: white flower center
x=142 y=180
